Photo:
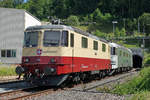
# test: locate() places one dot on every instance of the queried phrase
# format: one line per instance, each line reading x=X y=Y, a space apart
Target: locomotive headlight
x=49 y=70
x=53 y=60
x=26 y=60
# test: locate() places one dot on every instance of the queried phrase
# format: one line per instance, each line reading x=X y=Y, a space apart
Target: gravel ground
x=7 y=77
x=74 y=95
x=77 y=92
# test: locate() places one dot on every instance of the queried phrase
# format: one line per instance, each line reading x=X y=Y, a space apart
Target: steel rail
x=32 y=95
x=10 y=82
x=6 y=94
x=104 y=83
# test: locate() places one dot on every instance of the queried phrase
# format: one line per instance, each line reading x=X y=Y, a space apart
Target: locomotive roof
x=67 y=28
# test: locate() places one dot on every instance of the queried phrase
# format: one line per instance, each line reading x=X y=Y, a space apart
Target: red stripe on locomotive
x=64 y=65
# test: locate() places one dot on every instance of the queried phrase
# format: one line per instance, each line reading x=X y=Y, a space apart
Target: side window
x=104 y=47
x=84 y=42
x=3 y=53
x=124 y=54
x=113 y=51
x=64 y=39
x=8 y=53
x=120 y=53
x=72 y=40
x=13 y=53
x=95 y=45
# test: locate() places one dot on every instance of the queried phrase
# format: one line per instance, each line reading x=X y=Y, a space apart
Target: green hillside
x=132 y=16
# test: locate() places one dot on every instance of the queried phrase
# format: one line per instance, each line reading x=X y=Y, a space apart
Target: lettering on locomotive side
x=83 y=66
x=49 y=51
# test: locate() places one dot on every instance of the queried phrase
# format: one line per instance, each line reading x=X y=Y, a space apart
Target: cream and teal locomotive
x=121 y=58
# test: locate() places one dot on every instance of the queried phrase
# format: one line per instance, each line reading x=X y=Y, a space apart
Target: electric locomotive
x=53 y=54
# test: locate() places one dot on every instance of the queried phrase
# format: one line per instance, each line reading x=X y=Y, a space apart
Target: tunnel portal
x=138 y=56
x=137 y=61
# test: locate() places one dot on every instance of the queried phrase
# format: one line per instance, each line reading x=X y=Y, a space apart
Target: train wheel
x=100 y=75
x=103 y=74
x=77 y=78
x=83 y=76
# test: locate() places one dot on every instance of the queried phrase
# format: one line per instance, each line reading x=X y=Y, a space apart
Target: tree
x=35 y=7
x=97 y=16
x=60 y=8
x=100 y=34
x=48 y=10
x=82 y=7
x=7 y=3
x=73 y=20
x=117 y=32
x=17 y=2
x=122 y=32
x=145 y=22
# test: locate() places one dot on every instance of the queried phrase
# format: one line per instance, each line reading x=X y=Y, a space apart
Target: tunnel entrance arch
x=137 y=55
x=137 y=61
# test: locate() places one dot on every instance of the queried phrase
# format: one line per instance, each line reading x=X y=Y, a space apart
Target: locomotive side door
x=72 y=47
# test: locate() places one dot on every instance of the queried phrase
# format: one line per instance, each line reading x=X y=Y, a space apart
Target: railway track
x=34 y=95
x=22 y=93
x=12 y=85
x=10 y=81
x=105 y=81
x=33 y=92
x=12 y=94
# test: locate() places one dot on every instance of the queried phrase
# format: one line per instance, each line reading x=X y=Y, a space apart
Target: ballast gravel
x=77 y=95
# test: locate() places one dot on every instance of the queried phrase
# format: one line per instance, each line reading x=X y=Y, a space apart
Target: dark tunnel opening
x=137 y=61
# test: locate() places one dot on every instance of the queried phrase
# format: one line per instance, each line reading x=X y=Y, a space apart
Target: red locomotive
x=53 y=54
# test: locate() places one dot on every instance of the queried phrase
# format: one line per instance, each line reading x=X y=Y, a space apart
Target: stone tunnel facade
x=137 y=57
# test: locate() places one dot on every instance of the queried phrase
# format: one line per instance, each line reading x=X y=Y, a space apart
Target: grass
x=7 y=70
x=139 y=86
x=144 y=95
x=104 y=89
x=147 y=58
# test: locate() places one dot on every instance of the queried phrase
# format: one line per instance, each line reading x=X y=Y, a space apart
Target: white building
x=13 y=22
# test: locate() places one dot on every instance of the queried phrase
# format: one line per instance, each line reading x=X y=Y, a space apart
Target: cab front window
x=51 y=38
x=31 y=39
x=55 y=38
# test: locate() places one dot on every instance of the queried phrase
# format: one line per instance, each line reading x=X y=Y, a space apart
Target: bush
x=138 y=84
x=73 y=21
x=144 y=95
x=100 y=34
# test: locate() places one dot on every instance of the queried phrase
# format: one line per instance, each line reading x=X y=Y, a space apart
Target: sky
x=25 y=0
